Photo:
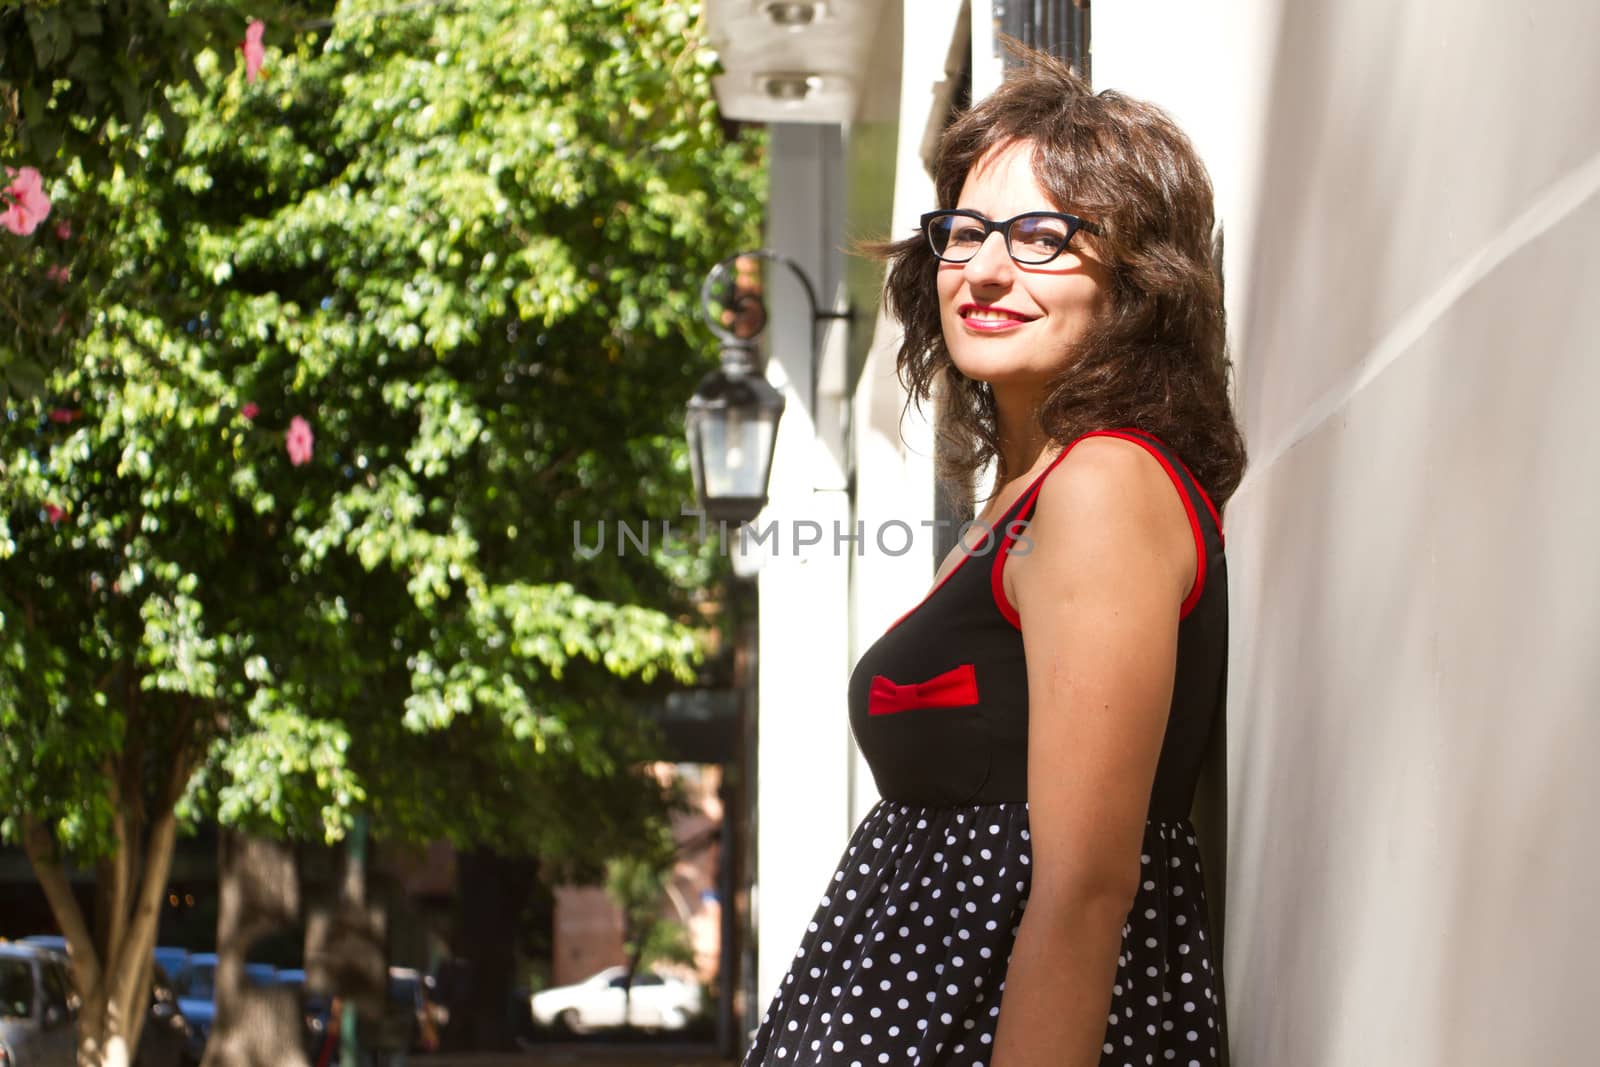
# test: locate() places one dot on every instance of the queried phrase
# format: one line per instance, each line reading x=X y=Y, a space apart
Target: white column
x=894 y=455
x=802 y=749
x=988 y=67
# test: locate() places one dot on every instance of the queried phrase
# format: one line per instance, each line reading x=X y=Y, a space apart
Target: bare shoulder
x=1111 y=474
x=1108 y=503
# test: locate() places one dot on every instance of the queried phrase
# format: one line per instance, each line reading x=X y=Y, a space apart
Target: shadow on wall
x=1411 y=556
x=1516 y=545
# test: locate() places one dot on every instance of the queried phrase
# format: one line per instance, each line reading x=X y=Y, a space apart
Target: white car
x=656 y=1001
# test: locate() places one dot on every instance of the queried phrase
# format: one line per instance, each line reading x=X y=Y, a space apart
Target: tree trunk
x=259 y=892
x=101 y=1040
x=346 y=946
x=112 y=962
x=490 y=893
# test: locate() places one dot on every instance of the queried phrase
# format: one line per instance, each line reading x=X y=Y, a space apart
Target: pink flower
x=254 y=53
x=59 y=274
x=55 y=513
x=63 y=415
x=64 y=230
x=250 y=410
x=298 y=441
x=29 y=205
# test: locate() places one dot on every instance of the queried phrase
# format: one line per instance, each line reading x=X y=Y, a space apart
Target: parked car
x=172 y=959
x=410 y=1010
x=656 y=1001
x=261 y=974
x=165 y=1040
x=313 y=1010
x=38 y=1010
x=196 y=989
x=196 y=986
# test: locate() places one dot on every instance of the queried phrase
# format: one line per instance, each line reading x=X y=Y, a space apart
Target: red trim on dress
x=957 y=687
x=1144 y=441
x=951 y=573
x=1216 y=518
x=996 y=584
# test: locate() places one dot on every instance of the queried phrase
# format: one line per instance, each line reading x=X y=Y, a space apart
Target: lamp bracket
x=744 y=316
x=751 y=303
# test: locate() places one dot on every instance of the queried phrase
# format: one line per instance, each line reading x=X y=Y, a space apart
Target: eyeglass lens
x=1032 y=238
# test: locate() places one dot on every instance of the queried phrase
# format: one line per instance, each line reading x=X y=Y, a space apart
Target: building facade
x=1408 y=195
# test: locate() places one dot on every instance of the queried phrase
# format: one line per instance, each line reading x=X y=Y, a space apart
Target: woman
x=1029 y=889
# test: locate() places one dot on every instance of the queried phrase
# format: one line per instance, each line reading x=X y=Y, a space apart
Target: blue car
x=172 y=959
x=167 y=1039
x=196 y=989
x=196 y=986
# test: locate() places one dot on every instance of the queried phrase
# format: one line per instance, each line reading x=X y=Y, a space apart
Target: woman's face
x=1007 y=323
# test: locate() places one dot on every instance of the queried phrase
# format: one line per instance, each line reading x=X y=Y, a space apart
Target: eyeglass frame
x=1074 y=223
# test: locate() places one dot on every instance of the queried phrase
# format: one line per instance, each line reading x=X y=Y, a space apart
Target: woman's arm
x=1112 y=556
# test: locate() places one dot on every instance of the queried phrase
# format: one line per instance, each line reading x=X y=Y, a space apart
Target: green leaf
x=462 y=243
x=42 y=34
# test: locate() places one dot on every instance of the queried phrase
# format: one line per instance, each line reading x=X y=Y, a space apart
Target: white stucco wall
x=1412 y=200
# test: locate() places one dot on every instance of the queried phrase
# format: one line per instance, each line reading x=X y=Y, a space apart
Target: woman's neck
x=1022 y=441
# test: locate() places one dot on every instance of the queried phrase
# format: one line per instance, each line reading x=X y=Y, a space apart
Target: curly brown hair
x=1156 y=359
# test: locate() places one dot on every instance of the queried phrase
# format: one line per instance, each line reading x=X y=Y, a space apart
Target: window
x=56 y=989
x=643 y=978
x=197 y=982
x=1060 y=27
x=16 y=988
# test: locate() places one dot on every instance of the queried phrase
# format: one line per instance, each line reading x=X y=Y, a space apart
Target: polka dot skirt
x=905 y=959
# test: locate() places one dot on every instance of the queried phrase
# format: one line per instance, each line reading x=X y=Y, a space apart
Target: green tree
x=72 y=74
x=73 y=78
x=637 y=884
x=287 y=535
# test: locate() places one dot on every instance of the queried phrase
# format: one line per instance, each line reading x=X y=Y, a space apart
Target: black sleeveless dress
x=905 y=958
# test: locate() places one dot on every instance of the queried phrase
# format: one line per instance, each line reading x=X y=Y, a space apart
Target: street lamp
x=732 y=419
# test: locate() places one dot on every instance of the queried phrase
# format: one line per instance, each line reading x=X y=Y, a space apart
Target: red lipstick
x=991 y=318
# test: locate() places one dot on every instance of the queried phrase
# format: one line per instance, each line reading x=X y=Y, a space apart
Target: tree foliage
x=75 y=76
x=345 y=351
